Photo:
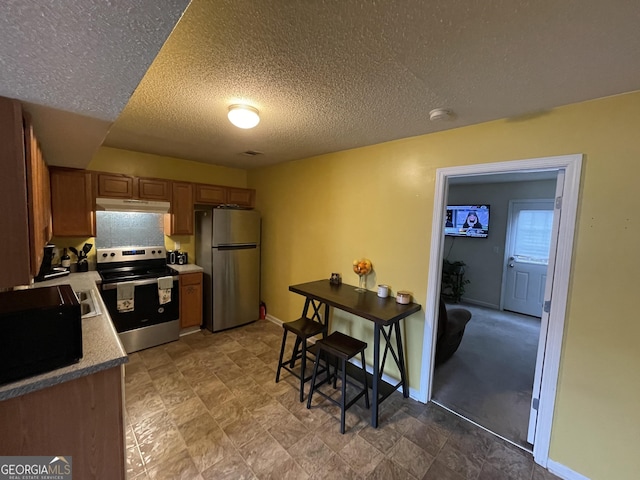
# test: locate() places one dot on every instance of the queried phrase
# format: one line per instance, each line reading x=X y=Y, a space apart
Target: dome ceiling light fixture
x=243 y=116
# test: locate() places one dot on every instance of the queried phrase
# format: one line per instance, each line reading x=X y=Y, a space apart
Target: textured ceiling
x=76 y=63
x=333 y=75
x=326 y=75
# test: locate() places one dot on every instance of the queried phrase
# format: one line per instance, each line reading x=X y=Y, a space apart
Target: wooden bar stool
x=344 y=348
x=303 y=328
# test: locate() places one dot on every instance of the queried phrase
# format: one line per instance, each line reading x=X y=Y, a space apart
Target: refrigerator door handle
x=237 y=246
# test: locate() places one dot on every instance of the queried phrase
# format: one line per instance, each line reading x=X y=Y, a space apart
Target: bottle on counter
x=65 y=259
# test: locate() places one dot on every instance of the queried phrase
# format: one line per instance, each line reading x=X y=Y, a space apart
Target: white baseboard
x=273 y=319
x=564 y=472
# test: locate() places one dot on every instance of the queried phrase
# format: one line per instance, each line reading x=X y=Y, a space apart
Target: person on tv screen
x=472 y=221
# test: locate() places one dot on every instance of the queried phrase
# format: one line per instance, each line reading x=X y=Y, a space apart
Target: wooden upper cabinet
x=114 y=186
x=154 y=189
x=219 y=195
x=244 y=197
x=38 y=197
x=72 y=205
x=210 y=194
x=25 y=218
x=180 y=220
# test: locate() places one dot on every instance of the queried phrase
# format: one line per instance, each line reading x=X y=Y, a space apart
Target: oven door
x=147 y=309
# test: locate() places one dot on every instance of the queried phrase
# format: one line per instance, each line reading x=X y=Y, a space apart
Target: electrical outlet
x=496 y=249
x=176 y=245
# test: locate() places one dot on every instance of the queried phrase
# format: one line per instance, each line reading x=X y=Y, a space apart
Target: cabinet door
x=38 y=198
x=181 y=209
x=115 y=186
x=83 y=417
x=14 y=223
x=243 y=197
x=72 y=203
x=210 y=194
x=154 y=189
x=190 y=299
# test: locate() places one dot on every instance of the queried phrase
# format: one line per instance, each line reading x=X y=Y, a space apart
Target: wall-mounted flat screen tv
x=467 y=221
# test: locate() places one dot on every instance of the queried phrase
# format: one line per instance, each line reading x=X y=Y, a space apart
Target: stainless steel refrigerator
x=228 y=248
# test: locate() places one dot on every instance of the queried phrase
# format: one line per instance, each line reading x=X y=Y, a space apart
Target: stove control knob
x=112 y=254
x=159 y=252
x=104 y=255
x=153 y=252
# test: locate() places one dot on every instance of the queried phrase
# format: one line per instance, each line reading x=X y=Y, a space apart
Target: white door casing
x=572 y=165
x=524 y=276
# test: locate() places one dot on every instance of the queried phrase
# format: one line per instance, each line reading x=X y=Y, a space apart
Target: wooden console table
x=385 y=313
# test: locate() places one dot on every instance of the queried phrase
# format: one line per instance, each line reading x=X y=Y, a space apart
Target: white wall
x=485 y=256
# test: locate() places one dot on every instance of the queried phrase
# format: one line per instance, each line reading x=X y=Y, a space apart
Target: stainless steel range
x=135 y=290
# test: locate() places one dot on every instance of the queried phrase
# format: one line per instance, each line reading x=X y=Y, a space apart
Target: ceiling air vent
x=251 y=153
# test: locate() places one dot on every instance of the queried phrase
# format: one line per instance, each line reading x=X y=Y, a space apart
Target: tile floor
x=207 y=407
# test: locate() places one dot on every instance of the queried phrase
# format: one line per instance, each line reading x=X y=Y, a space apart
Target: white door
x=527 y=255
x=544 y=321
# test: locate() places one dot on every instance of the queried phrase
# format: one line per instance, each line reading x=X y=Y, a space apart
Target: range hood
x=129 y=205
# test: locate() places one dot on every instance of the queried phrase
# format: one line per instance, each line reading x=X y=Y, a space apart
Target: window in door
x=533 y=236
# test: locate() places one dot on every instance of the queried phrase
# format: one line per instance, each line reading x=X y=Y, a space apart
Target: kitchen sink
x=89 y=306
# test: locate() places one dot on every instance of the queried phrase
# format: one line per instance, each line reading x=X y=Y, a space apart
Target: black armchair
x=451 y=325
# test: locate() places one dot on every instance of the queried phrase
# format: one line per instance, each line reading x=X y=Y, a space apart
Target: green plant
x=453 y=280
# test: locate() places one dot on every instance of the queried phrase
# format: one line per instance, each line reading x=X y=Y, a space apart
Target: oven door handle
x=136 y=283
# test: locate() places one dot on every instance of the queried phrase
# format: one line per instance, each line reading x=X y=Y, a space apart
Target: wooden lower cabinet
x=82 y=418
x=191 y=299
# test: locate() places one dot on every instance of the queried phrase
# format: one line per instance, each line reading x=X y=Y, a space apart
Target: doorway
x=552 y=325
x=489 y=380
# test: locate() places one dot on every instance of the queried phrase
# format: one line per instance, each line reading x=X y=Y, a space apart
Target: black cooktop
x=128 y=271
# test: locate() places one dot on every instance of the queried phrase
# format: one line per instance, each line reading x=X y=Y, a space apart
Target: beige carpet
x=489 y=379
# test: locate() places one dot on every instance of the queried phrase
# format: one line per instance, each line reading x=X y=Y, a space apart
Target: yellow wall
x=115 y=160
x=321 y=213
